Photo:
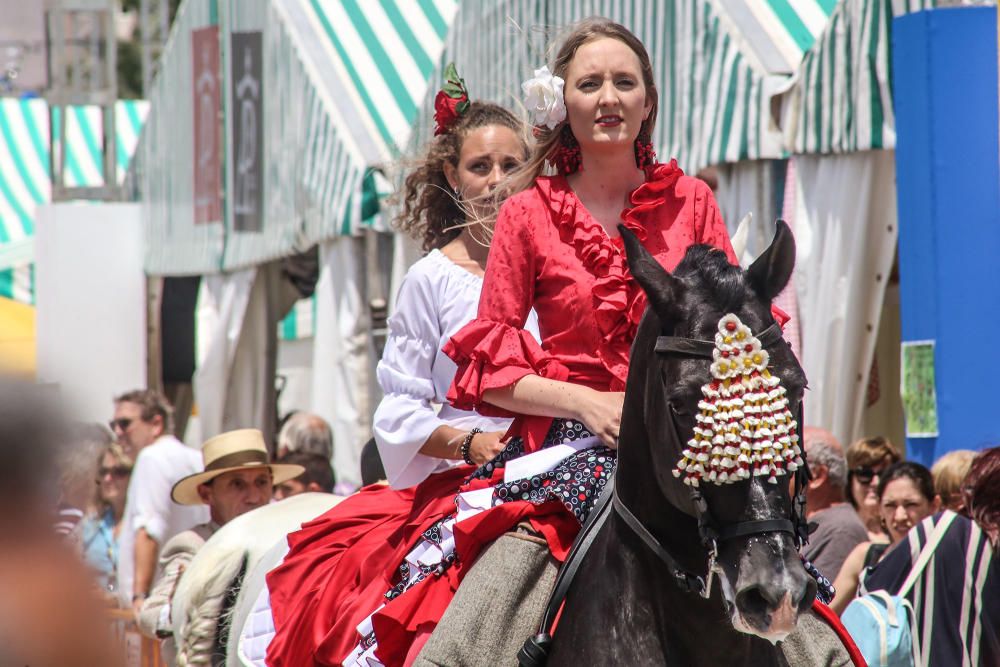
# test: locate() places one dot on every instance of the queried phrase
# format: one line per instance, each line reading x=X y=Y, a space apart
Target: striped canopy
x=841 y=97
x=343 y=81
x=24 y=173
x=717 y=63
x=379 y=57
x=776 y=33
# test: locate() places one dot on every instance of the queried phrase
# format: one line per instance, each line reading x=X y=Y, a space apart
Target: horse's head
x=748 y=514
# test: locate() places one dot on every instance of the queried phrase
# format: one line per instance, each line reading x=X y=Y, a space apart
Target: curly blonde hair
x=430 y=213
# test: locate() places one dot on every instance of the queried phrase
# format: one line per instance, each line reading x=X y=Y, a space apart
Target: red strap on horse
x=833 y=620
x=780 y=316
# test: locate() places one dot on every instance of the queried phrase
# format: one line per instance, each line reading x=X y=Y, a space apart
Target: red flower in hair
x=446 y=111
x=451 y=102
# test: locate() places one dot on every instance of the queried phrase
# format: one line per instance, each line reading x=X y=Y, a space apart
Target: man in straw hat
x=238 y=477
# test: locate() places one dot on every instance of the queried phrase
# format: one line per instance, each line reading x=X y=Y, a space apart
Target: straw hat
x=235 y=450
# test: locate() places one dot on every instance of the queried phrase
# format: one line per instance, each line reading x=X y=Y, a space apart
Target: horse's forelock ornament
x=744 y=428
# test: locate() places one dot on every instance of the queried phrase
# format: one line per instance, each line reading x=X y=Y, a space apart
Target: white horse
x=249 y=545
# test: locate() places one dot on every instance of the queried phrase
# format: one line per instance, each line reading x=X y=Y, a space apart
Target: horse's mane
x=706 y=269
x=200 y=599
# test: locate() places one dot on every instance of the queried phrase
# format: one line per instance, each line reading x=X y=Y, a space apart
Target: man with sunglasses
x=143 y=424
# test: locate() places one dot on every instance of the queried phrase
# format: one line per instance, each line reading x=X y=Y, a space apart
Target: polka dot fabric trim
x=576 y=482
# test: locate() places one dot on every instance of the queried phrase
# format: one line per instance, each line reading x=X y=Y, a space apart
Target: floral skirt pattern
x=575 y=480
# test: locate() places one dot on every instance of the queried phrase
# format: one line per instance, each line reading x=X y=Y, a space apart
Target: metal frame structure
x=82 y=67
x=154 y=27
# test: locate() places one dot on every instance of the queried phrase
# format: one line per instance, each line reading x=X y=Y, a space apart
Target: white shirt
x=436 y=299
x=148 y=505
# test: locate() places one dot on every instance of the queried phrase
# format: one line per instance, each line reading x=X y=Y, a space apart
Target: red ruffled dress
x=547 y=253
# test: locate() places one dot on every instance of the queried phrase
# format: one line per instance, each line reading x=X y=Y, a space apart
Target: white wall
x=295 y=358
x=91 y=313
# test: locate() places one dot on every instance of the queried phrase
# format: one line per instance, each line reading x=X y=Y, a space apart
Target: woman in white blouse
x=417 y=432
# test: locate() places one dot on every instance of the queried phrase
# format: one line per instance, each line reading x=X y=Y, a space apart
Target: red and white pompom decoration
x=744 y=427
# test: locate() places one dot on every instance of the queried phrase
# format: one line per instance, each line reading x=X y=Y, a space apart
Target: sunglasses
x=121 y=424
x=865 y=474
x=118 y=472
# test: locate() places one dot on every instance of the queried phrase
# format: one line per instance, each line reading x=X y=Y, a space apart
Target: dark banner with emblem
x=247 y=144
x=207 y=130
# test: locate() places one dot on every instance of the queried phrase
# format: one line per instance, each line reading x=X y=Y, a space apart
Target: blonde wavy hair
x=121 y=459
x=548 y=140
x=430 y=212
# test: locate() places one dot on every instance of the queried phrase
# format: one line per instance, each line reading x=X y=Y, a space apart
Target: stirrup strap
x=534 y=653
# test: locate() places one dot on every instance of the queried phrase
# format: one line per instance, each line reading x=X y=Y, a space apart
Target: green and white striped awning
x=379 y=58
x=776 y=33
x=840 y=99
x=717 y=63
x=343 y=82
x=24 y=173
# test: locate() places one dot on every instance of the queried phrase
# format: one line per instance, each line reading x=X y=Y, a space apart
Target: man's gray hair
x=823 y=449
x=306 y=432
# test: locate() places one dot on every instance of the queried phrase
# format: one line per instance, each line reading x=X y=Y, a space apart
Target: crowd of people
x=136 y=504
x=869 y=500
x=511 y=336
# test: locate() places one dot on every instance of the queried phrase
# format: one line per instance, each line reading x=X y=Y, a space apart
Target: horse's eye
x=673 y=408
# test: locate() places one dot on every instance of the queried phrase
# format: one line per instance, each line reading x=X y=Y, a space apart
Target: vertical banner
x=207 y=131
x=247 y=141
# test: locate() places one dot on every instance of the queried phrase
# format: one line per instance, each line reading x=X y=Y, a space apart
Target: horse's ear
x=661 y=288
x=773 y=269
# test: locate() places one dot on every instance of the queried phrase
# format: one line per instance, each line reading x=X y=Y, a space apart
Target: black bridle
x=535 y=650
x=713 y=532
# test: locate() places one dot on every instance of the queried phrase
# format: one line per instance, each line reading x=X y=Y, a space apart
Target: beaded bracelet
x=467 y=443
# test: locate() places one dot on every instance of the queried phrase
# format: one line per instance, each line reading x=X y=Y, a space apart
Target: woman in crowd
x=956 y=597
x=75 y=465
x=448 y=203
x=906 y=497
x=866 y=459
x=101 y=528
x=949 y=474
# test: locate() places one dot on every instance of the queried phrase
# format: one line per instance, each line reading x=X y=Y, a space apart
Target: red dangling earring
x=645 y=156
x=567 y=157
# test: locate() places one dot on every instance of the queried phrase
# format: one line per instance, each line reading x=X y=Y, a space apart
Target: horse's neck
x=626 y=609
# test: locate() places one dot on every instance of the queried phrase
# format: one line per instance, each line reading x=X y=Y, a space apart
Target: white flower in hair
x=543 y=98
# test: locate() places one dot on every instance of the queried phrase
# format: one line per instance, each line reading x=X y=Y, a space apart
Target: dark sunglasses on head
x=118 y=472
x=122 y=424
x=865 y=474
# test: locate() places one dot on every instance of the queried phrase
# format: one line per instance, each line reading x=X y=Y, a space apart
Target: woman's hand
x=601 y=413
x=485 y=446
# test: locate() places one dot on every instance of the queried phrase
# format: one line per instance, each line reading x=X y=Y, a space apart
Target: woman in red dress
x=556 y=248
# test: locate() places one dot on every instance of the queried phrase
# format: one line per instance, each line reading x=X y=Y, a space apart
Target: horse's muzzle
x=770 y=595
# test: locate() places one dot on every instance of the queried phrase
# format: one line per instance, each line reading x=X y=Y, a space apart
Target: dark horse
x=625 y=606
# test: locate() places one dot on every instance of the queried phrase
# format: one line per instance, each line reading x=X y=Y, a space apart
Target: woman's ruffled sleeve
x=405 y=418
x=494 y=350
x=709 y=225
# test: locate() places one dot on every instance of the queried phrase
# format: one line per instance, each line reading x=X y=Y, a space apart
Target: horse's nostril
x=751 y=601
